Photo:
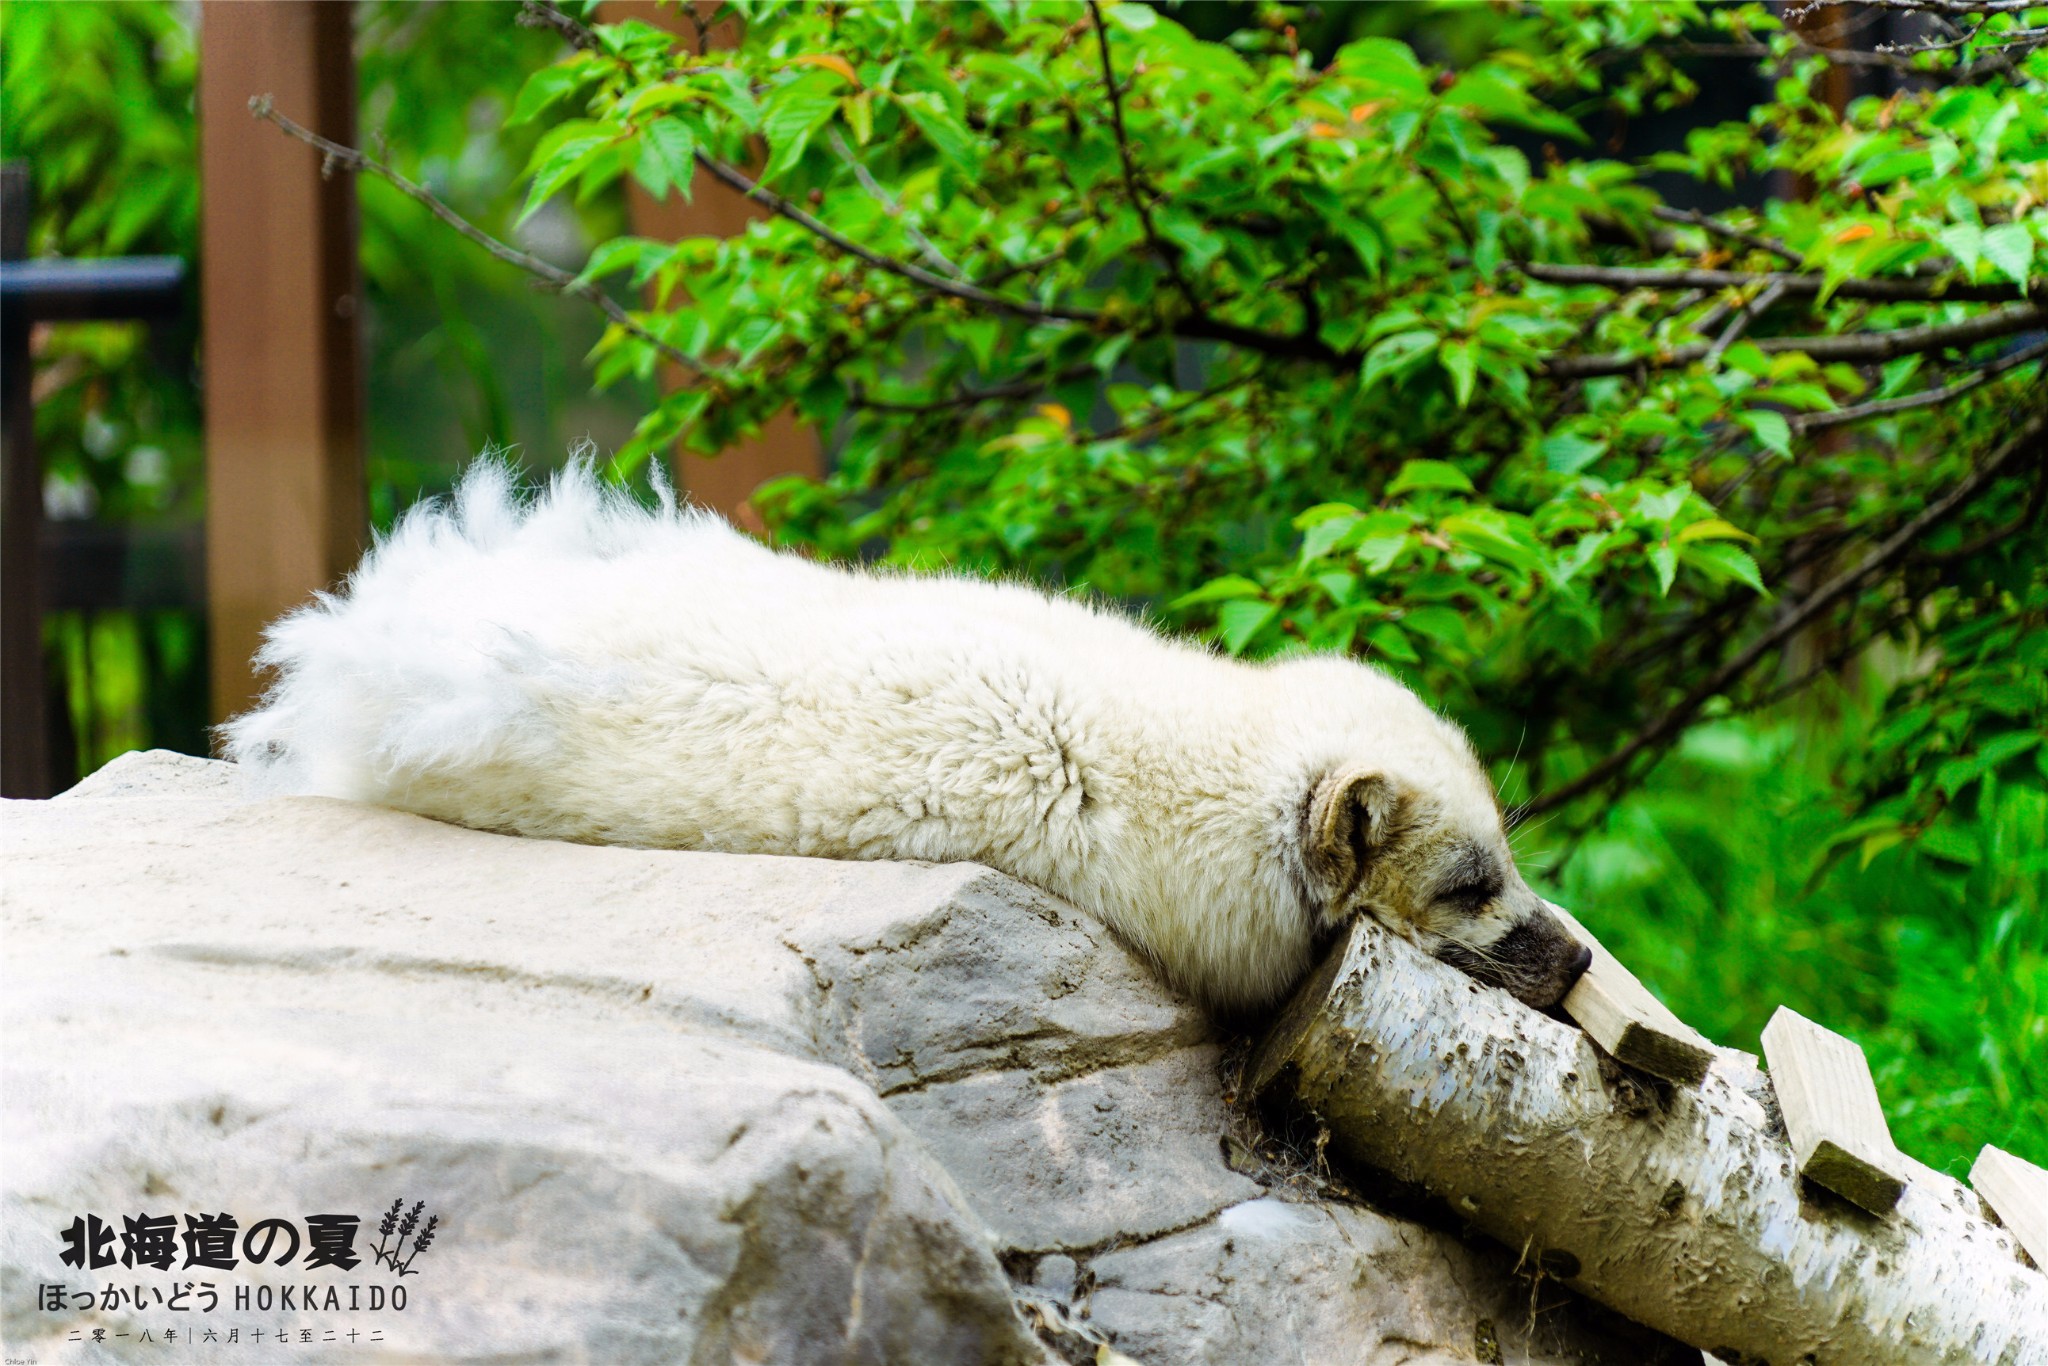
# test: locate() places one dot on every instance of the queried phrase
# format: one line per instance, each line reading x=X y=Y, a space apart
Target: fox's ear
x=1351 y=817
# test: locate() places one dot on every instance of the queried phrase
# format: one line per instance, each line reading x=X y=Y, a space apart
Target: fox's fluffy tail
x=414 y=665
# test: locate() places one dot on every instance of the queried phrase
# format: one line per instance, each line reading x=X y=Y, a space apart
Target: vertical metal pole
x=285 y=495
x=24 y=732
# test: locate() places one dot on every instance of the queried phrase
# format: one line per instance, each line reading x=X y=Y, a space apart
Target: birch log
x=1688 y=1218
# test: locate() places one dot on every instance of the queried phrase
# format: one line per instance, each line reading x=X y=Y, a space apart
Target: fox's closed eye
x=1469 y=897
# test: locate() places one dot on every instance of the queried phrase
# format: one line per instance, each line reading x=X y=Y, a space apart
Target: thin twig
x=1196 y=328
x=1926 y=398
x=968 y=398
x=1166 y=252
x=1890 y=291
x=349 y=159
x=1714 y=227
x=1840 y=56
x=1956 y=7
x=1159 y=419
x=1672 y=721
x=964 y=290
x=894 y=208
x=1749 y=313
x=539 y=14
x=1443 y=194
x=1856 y=346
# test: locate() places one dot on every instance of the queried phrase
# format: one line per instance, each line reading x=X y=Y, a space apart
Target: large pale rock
x=668 y=1106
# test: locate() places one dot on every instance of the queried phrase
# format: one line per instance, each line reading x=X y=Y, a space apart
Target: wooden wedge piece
x=2017 y=1192
x=1621 y=1015
x=1832 y=1114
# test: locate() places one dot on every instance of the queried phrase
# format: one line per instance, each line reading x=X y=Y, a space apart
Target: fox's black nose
x=1582 y=961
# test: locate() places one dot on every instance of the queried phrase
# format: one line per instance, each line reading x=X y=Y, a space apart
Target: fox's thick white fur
x=579 y=667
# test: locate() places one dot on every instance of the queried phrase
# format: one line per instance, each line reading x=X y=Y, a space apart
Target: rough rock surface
x=668 y=1107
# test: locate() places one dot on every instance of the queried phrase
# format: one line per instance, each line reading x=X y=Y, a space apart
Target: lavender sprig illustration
x=384 y=1228
x=419 y=1245
x=405 y=1228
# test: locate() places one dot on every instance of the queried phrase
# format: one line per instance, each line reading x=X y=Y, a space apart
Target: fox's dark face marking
x=1444 y=879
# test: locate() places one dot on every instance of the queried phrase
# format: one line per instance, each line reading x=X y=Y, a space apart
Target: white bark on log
x=1688 y=1217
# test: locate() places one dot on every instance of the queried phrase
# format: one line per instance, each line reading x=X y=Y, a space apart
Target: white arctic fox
x=579 y=667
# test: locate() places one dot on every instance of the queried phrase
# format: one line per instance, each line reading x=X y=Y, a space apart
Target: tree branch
x=1953 y=7
x=880 y=194
x=1765 y=300
x=538 y=14
x=1196 y=328
x=963 y=290
x=349 y=159
x=1716 y=228
x=1926 y=398
x=968 y=398
x=1651 y=737
x=1840 y=56
x=1889 y=291
x=1167 y=253
x=1855 y=346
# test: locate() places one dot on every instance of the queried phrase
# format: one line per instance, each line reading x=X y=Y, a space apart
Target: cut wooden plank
x=1621 y=1015
x=2017 y=1192
x=1832 y=1114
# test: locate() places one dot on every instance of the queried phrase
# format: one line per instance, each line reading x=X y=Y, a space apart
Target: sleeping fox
x=576 y=666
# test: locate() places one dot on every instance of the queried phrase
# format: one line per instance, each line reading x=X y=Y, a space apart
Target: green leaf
x=1428 y=474
x=615 y=255
x=1339 y=586
x=544 y=87
x=1712 y=529
x=666 y=157
x=1965 y=242
x=1574 y=561
x=793 y=115
x=1954 y=844
x=1665 y=561
x=563 y=162
x=1392 y=642
x=2010 y=247
x=1955 y=775
x=859 y=113
x=1720 y=560
x=1460 y=363
x=1770 y=429
x=1568 y=453
x=1485 y=536
x=1240 y=620
x=1319 y=538
x=1392 y=355
x=1385 y=63
x=1439 y=623
x=941 y=127
x=1217 y=590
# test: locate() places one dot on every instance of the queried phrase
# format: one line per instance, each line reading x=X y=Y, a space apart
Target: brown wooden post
x=726 y=481
x=285 y=498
